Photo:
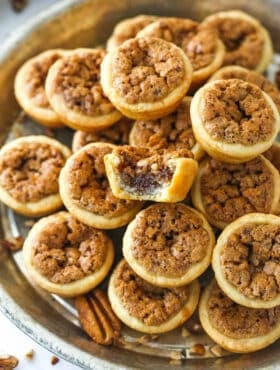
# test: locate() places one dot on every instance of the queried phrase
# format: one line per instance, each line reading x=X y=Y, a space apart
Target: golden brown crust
x=74 y=91
x=116 y=134
x=227 y=116
x=172 y=132
x=174 y=234
x=147 y=308
x=30 y=87
x=86 y=193
x=245 y=260
x=145 y=174
x=237 y=328
x=54 y=267
x=253 y=77
x=247 y=43
x=224 y=192
x=29 y=171
x=156 y=84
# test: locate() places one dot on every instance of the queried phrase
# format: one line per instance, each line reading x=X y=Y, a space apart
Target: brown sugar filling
x=68 y=251
x=147 y=70
x=229 y=191
x=254 y=78
x=173 y=131
x=239 y=322
x=36 y=77
x=198 y=43
x=168 y=239
x=78 y=81
x=150 y=304
x=244 y=42
x=89 y=187
x=235 y=112
x=144 y=170
x=250 y=260
x=273 y=155
x=29 y=172
x=116 y=134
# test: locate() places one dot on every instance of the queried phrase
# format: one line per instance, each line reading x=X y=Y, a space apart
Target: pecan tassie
x=97 y=318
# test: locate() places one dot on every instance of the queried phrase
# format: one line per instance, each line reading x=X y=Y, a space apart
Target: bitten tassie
x=75 y=94
x=246 y=260
x=29 y=171
x=147 y=308
x=168 y=245
x=66 y=257
x=145 y=174
x=172 y=132
x=247 y=42
x=224 y=191
x=234 y=120
x=30 y=87
x=234 y=327
x=86 y=193
x=146 y=77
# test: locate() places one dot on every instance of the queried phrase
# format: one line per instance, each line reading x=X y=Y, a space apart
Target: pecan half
x=8 y=362
x=97 y=318
x=12 y=244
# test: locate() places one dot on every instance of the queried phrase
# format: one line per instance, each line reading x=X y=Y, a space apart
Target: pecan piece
x=8 y=362
x=97 y=318
x=12 y=244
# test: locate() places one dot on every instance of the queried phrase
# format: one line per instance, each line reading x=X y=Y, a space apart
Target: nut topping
x=97 y=318
x=8 y=362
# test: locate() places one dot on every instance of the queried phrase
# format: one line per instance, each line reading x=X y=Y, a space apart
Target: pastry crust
x=127 y=29
x=173 y=131
x=158 y=97
x=134 y=322
x=273 y=155
x=30 y=87
x=200 y=44
x=243 y=188
x=47 y=203
x=266 y=51
x=238 y=345
x=74 y=91
x=143 y=174
x=116 y=134
x=73 y=288
x=229 y=150
x=260 y=291
x=247 y=75
x=197 y=241
x=69 y=180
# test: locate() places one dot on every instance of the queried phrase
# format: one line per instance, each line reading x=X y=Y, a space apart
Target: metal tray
x=49 y=319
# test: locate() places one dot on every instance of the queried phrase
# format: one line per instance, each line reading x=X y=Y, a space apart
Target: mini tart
x=145 y=174
x=253 y=77
x=128 y=29
x=236 y=328
x=234 y=120
x=30 y=88
x=225 y=192
x=172 y=132
x=246 y=260
x=168 y=245
x=66 y=257
x=29 y=171
x=146 y=77
x=116 y=134
x=247 y=42
x=75 y=94
x=201 y=44
x=147 y=308
x=86 y=193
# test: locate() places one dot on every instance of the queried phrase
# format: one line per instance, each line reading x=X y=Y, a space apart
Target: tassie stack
x=167 y=93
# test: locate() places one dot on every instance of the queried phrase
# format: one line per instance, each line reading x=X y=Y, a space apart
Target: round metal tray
x=49 y=319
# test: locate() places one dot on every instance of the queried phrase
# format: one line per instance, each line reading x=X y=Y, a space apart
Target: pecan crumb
x=185 y=333
x=54 y=360
x=18 y=5
x=29 y=223
x=49 y=132
x=12 y=244
x=175 y=355
x=30 y=354
x=197 y=350
x=8 y=362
